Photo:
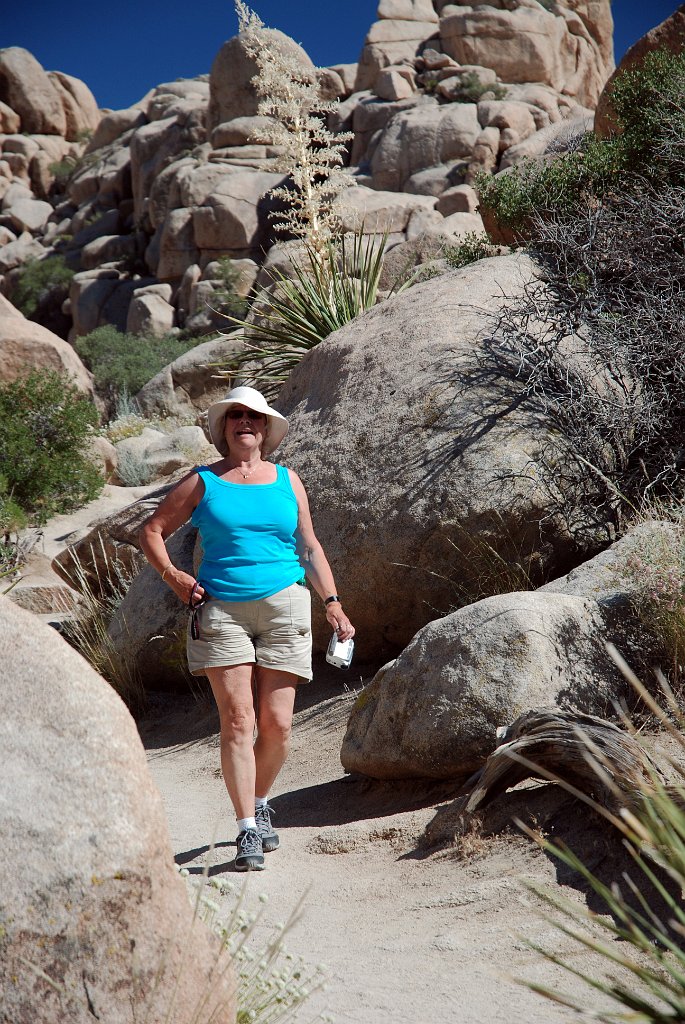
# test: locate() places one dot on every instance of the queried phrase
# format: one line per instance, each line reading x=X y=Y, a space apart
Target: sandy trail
x=405 y=936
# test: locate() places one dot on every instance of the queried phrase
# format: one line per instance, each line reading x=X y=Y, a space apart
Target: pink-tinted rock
x=25 y=346
x=26 y=88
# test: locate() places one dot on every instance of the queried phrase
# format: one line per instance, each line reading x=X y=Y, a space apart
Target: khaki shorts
x=275 y=632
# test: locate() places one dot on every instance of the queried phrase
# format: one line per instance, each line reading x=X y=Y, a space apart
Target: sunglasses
x=239 y=414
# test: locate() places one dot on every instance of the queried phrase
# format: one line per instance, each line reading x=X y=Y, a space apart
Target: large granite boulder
x=190 y=384
x=231 y=93
x=378 y=211
x=401 y=32
x=95 y=922
x=423 y=136
x=25 y=345
x=434 y=711
x=156 y=145
x=528 y=43
x=28 y=91
x=412 y=444
x=80 y=107
x=231 y=219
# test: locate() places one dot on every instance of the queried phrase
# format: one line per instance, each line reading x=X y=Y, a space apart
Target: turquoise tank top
x=248 y=537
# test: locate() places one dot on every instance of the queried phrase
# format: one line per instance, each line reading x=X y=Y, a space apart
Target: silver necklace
x=245 y=476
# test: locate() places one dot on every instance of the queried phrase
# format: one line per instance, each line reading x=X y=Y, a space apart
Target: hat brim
x=216 y=419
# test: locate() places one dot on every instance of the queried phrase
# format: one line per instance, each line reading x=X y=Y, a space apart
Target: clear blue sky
x=123 y=49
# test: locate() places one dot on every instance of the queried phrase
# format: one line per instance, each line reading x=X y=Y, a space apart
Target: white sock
x=260 y=801
x=245 y=823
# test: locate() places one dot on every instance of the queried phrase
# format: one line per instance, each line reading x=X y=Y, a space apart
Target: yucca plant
x=646 y=947
x=330 y=288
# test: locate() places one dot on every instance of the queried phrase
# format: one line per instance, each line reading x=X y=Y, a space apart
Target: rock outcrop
x=182 y=178
x=95 y=922
x=410 y=459
x=25 y=346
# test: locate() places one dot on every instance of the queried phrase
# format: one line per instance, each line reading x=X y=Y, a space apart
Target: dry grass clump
x=272 y=983
x=655 y=572
x=87 y=631
x=639 y=944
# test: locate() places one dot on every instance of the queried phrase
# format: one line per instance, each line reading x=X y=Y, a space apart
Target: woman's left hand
x=339 y=621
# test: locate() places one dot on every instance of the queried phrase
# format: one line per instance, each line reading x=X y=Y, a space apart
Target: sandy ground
x=407 y=934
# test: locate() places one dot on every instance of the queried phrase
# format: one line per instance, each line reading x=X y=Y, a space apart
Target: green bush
x=648 y=106
x=471 y=248
x=12 y=520
x=45 y=423
x=127 y=361
x=36 y=279
x=226 y=297
x=471 y=89
x=560 y=186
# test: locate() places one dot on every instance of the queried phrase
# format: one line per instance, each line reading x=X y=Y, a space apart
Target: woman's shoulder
x=293 y=478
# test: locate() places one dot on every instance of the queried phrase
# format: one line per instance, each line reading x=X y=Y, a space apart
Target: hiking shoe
x=269 y=838
x=250 y=856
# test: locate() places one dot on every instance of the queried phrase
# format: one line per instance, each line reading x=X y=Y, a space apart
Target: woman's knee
x=237 y=722
x=275 y=726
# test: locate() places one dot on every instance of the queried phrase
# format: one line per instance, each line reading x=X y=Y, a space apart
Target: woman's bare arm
x=175 y=510
x=315 y=563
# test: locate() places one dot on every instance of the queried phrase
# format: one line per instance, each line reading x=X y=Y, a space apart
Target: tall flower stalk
x=311 y=155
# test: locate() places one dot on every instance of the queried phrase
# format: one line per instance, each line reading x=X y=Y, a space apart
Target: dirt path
x=406 y=936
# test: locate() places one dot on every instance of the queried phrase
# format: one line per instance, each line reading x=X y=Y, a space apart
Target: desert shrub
x=559 y=186
x=655 y=570
x=87 y=630
x=121 y=361
x=650 y=114
x=132 y=469
x=596 y=347
x=595 y=344
x=471 y=89
x=45 y=423
x=469 y=249
x=272 y=984
x=36 y=279
x=226 y=298
x=63 y=170
x=12 y=521
x=334 y=284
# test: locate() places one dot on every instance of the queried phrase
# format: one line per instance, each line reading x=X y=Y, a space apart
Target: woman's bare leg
x=275 y=701
x=232 y=689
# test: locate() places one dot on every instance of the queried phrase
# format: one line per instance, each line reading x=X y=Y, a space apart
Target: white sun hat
x=277 y=426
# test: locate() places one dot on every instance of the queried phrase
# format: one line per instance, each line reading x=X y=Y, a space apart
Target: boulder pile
x=166 y=188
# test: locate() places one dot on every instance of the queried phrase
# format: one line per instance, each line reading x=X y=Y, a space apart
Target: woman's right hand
x=182 y=584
